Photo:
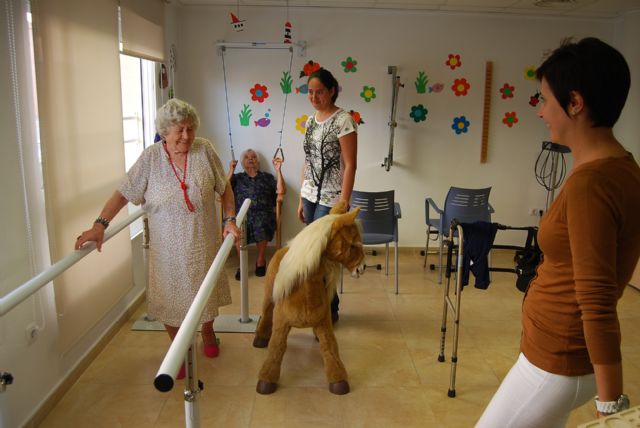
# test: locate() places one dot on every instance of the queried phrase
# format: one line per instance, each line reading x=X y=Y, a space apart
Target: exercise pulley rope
x=284 y=110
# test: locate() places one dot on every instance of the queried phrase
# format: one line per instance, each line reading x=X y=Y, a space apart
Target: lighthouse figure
x=237 y=24
x=287 y=32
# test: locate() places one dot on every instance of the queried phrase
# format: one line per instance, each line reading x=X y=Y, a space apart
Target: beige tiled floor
x=389 y=344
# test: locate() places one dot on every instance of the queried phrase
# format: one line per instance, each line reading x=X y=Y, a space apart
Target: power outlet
x=32 y=332
x=536 y=212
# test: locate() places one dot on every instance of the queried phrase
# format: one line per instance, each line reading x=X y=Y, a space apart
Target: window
x=138 y=87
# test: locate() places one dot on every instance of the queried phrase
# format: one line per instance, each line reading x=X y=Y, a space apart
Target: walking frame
x=455 y=255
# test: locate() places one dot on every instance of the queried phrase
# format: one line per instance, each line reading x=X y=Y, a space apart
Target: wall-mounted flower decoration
x=534 y=99
x=460 y=87
x=357 y=117
x=530 y=72
x=349 y=65
x=301 y=123
x=259 y=93
x=418 y=113
x=368 y=93
x=453 y=61
x=309 y=68
x=460 y=125
x=510 y=119
x=507 y=91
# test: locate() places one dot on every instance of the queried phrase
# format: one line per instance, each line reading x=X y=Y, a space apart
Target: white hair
x=173 y=112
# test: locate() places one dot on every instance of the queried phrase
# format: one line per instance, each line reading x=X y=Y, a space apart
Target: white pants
x=531 y=397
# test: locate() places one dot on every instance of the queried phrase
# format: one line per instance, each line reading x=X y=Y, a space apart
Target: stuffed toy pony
x=300 y=283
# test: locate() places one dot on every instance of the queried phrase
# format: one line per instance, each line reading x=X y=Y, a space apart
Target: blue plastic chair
x=465 y=205
x=379 y=214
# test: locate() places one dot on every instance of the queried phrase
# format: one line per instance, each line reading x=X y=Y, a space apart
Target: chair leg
x=426 y=247
x=396 y=265
x=386 y=259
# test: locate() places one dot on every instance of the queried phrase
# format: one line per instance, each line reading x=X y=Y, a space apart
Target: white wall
x=429 y=156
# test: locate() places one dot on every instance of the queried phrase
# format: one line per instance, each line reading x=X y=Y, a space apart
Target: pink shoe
x=181 y=373
x=212 y=350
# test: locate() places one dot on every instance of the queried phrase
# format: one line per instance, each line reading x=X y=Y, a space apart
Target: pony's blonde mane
x=304 y=256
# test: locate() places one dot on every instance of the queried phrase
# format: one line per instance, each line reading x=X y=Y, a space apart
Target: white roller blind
x=142 y=27
x=78 y=82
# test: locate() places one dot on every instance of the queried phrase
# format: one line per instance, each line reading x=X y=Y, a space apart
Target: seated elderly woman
x=264 y=191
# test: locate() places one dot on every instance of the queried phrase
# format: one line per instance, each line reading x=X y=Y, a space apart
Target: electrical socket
x=31 y=332
x=537 y=212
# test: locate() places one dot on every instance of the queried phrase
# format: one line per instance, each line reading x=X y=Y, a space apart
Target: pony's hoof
x=263 y=387
x=260 y=342
x=339 y=388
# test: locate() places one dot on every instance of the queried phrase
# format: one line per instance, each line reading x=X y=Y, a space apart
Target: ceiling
x=568 y=8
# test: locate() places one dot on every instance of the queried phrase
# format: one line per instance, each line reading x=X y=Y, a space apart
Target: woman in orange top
x=590 y=237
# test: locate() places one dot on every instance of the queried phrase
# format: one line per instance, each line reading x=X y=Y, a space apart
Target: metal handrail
x=165 y=378
x=23 y=292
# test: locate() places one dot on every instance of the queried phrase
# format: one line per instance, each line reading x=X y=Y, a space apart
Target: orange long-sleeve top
x=590 y=238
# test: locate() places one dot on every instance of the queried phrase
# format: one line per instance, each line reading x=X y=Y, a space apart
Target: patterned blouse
x=182 y=243
x=324 y=165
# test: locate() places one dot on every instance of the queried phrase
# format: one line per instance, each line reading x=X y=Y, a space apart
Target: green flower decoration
x=245 y=115
x=286 y=82
x=530 y=72
x=418 y=113
x=349 y=65
x=368 y=93
x=421 y=82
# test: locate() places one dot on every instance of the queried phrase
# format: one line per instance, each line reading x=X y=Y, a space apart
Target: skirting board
x=223 y=324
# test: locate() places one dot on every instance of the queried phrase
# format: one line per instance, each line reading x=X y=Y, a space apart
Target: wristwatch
x=611 y=407
x=228 y=219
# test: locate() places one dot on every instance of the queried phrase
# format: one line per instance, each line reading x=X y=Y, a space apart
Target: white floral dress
x=182 y=243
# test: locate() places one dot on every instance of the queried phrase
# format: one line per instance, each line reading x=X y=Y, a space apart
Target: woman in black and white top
x=330 y=147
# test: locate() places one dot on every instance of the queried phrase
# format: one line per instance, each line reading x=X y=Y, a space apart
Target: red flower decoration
x=454 y=61
x=507 y=91
x=510 y=119
x=460 y=87
x=259 y=93
x=309 y=68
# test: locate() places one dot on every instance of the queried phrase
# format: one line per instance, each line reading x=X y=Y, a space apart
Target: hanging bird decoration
x=287 y=32
x=236 y=23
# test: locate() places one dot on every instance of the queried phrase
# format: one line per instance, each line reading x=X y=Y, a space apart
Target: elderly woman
x=264 y=191
x=176 y=181
x=590 y=237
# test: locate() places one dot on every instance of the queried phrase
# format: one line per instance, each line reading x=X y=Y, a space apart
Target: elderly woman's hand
x=95 y=234
x=232 y=164
x=230 y=227
x=277 y=163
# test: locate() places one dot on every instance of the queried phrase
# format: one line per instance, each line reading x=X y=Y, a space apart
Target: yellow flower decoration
x=530 y=72
x=301 y=123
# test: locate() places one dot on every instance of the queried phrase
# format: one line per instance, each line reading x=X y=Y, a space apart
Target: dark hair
x=594 y=69
x=327 y=80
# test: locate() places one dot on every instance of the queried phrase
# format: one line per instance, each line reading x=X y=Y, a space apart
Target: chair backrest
x=376 y=211
x=467 y=205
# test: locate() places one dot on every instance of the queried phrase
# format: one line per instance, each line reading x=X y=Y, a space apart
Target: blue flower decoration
x=418 y=113
x=460 y=124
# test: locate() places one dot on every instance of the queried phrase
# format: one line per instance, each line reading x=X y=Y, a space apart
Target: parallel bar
x=165 y=378
x=20 y=294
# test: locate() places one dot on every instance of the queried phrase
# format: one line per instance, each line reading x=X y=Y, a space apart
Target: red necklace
x=183 y=182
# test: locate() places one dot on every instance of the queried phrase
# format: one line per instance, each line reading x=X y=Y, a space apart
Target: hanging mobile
x=236 y=23
x=287 y=27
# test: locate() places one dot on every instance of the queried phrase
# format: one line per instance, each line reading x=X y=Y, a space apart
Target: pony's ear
x=339 y=208
x=344 y=220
